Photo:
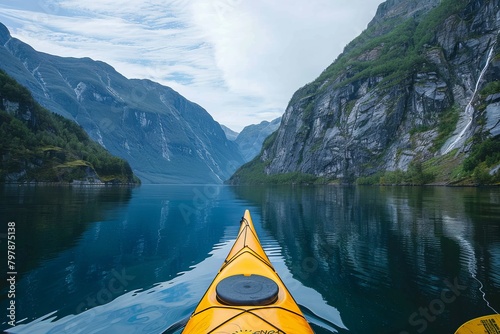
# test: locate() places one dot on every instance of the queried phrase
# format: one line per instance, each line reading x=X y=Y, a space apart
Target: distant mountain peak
x=230 y=134
x=251 y=138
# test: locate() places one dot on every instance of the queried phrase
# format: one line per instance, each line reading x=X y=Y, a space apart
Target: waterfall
x=469 y=109
x=164 y=143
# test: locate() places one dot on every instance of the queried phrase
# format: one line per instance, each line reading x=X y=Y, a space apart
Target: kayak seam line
x=247 y=227
x=235 y=242
x=252 y=231
x=252 y=253
x=240 y=232
x=251 y=312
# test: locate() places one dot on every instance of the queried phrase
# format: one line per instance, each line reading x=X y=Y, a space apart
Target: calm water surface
x=358 y=260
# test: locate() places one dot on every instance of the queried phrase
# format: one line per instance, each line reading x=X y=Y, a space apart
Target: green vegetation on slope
x=37 y=145
x=252 y=174
x=484 y=156
x=447 y=124
x=417 y=174
x=452 y=169
x=253 y=171
x=395 y=53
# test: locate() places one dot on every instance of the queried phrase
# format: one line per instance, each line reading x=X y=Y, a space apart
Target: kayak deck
x=247 y=295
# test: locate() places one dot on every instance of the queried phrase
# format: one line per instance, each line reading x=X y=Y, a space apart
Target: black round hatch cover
x=253 y=290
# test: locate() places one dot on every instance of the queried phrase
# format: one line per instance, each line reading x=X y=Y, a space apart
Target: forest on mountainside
x=37 y=145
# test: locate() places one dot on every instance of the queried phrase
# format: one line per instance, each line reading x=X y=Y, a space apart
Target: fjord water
x=358 y=259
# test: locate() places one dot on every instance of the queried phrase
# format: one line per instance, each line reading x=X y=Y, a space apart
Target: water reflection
x=51 y=219
x=381 y=256
x=85 y=247
x=361 y=260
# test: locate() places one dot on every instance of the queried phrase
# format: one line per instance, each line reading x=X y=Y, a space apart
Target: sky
x=241 y=60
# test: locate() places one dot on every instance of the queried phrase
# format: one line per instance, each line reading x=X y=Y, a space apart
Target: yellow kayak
x=489 y=324
x=247 y=295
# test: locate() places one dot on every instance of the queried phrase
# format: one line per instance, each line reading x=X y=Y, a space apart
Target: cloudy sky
x=239 y=59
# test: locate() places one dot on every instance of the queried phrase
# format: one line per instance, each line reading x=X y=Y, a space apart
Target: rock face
x=165 y=137
x=252 y=137
x=383 y=102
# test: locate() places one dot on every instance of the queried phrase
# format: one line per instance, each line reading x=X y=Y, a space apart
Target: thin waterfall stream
x=469 y=109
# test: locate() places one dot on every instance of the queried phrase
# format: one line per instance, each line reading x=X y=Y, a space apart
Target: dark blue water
x=359 y=260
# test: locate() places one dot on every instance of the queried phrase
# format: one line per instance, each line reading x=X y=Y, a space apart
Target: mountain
x=165 y=137
x=414 y=99
x=230 y=134
x=39 y=146
x=251 y=138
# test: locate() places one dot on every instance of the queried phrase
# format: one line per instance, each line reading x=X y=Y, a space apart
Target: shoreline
x=71 y=184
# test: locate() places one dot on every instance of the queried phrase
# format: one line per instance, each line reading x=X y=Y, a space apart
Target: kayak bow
x=247 y=295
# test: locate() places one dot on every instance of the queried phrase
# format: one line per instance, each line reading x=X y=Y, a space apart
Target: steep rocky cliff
x=165 y=137
x=421 y=82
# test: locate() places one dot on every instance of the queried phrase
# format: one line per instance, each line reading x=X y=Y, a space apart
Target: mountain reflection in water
x=365 y=259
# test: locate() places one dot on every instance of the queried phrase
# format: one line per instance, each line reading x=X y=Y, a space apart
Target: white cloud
x=240 y=60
